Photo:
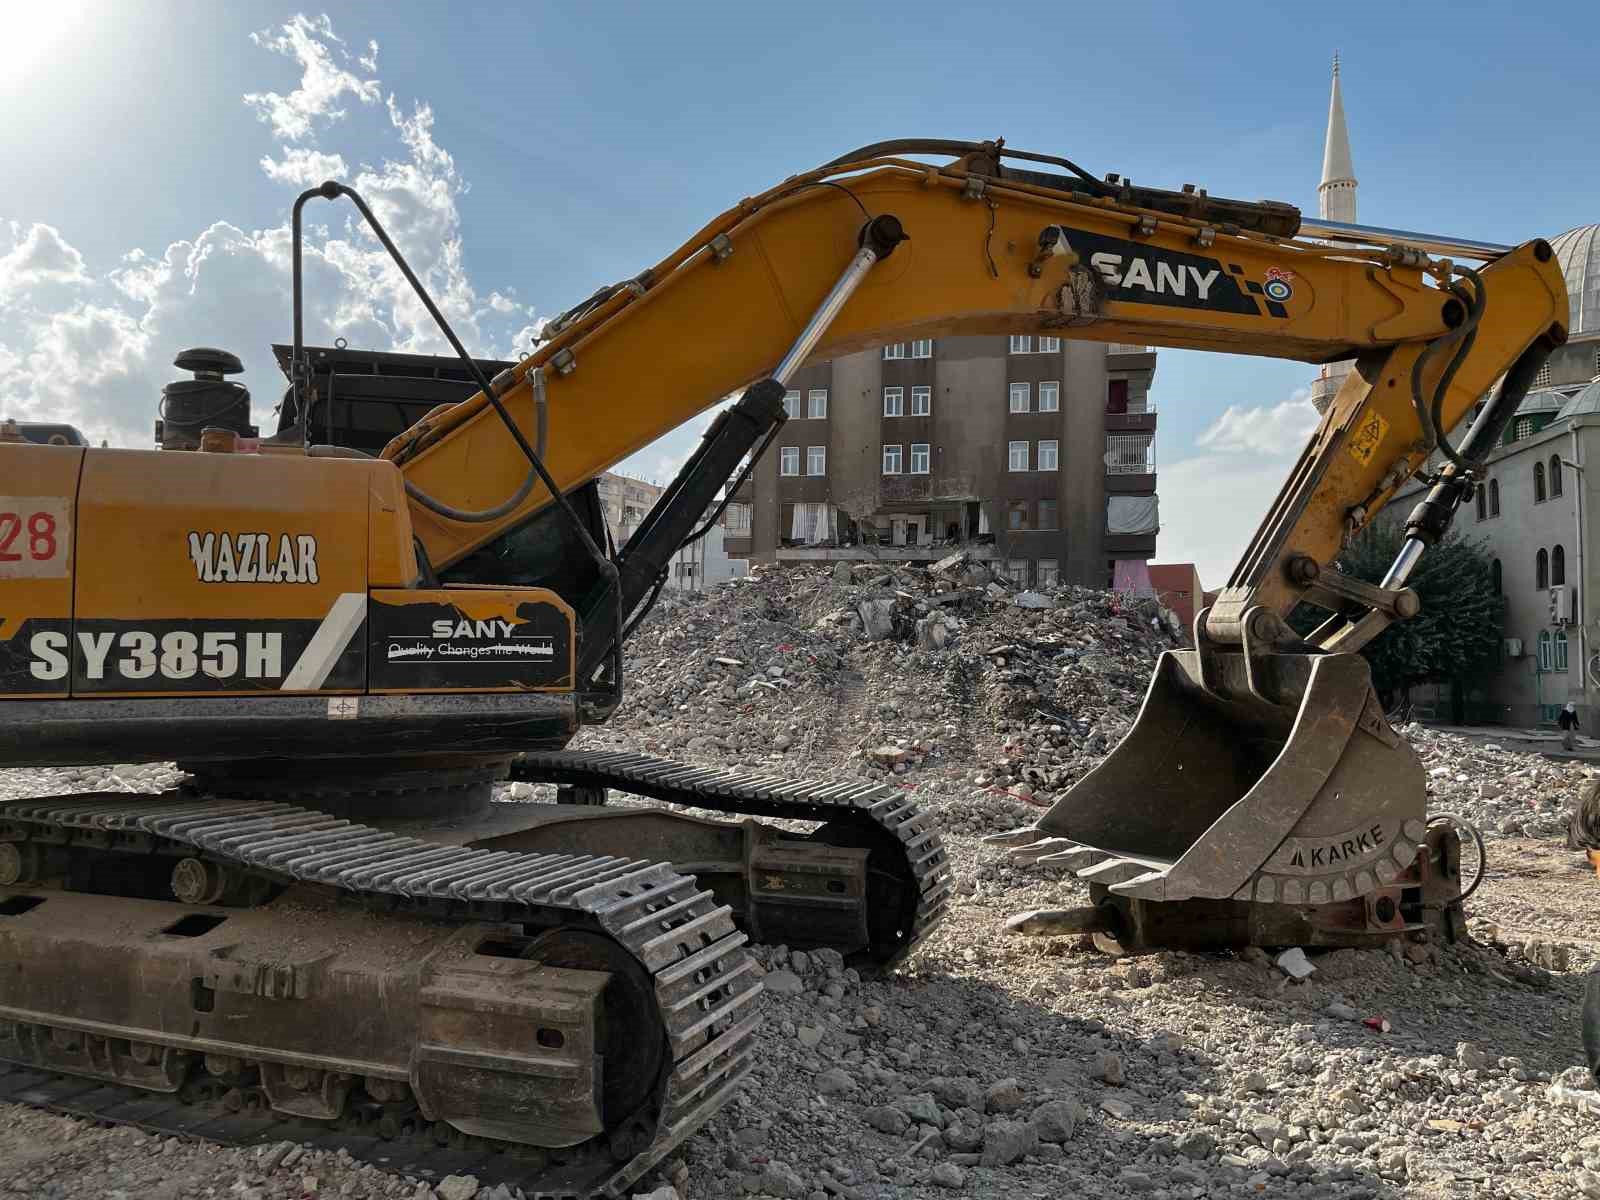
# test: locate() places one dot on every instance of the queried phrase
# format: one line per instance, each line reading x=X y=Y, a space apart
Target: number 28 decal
x=35 y=537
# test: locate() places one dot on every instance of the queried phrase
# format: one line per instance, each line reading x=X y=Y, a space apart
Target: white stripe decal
x=328 y=643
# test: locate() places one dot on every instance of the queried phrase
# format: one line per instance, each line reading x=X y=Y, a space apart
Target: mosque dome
x=1578 y=255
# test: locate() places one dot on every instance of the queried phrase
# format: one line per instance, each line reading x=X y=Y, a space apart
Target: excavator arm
x=993 y=249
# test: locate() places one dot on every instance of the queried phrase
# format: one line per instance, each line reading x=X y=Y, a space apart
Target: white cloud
x=38 y=255
x=303 y=167
x=94 y=347
x=1263 y=429
x=1213 y=502
x=312 y=43
x=1210 y=505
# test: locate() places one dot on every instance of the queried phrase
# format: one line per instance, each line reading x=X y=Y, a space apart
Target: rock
x=1004 y=1142
x=779 y=1179
x=271 y=1158
x=1342 y=1011
x=1471 y=1058
x=921 y=1109
x=1032 y=600
x=948 y=1175
x=1588 y=1183
x=457 y=1187
x=957 y=1092
x=1294 y=963
x=1135 y=1181
x=1119 y=1109
x=664 y=1192
x=1108 y=1067
x=1004 y=1096
x=1264 y=1128
x=888 y=756
x=877 y=618
x=961 y=1138
x=1056 y=1120
x=834 y=1083
x=841 y=572
x=886 y=1118
x=783 y=983
x=809 y=1036
x=1196 y=1144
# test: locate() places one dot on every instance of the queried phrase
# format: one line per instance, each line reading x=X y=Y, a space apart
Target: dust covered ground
x=990 y=1065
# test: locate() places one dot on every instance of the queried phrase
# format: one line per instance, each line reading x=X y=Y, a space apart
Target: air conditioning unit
x=1513 y=647
x=1561 y=605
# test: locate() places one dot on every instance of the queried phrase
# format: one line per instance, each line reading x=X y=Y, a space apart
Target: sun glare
x=38 y=31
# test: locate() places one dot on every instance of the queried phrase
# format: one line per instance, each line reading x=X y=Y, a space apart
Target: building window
x=1048 y=572
x=1130 y=454
x=1555 y=475
x=919 y=458
x=1047 y=515
x=1483 y=501
x=922 y=348
x=1558 y=567
x=1019 y=456
x=1049 y=345
x=891 y=460
x=789 y=460
x=1547 y=658
x=1050 y=396
x=1559 y=645
x=816 y=460
x=1538 y=483
x=1048 y=451
x=1542 y=379
x=1021 y=344
x=738 y=518
x=817 y=404
x=1494 y=497
x=921 y=401
x=1019 y=398
x=1522 y=429
x=895 y=350
x=1541 y=570
x=1017 y=514
x=1496 y=577
x=791 y=404
x=1017 y=571
x=1116 y=396
x=894 y=402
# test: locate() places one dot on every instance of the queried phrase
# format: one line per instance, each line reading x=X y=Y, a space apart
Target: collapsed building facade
x=1036 y=453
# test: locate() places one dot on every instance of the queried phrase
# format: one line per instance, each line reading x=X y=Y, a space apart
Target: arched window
x=1560 y=650
x=1547 y=660
x=1538 y=483
x=1494 y=497
x=1495 y=576
x=1541 y=570
x=1558 y=566
x=1483 y=500
x=1555 y=475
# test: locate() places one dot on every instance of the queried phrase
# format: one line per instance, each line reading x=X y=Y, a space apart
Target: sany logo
x=1166 y=279
x=496 y=628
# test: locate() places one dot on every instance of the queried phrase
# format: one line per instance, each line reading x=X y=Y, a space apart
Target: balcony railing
x=1130 y=454
x=1126 y=348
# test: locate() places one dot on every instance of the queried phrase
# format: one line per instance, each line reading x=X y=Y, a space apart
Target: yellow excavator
x=345 y=649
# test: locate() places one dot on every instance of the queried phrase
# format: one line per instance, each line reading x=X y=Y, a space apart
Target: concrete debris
x=1294 y=963
x=457 y=1187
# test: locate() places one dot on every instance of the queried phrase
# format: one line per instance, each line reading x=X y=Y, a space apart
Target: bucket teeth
x=1034 y=851
x=1152 y=885
x=1024 y=836
x=1076 y=858
x=1114 y=871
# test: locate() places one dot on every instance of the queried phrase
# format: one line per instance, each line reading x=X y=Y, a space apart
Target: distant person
x=1567 y=722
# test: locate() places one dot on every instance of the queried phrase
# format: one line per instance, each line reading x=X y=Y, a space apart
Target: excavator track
x=912 y=852
x=701 y=983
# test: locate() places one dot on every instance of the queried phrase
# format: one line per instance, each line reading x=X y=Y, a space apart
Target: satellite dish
x=1594 y=669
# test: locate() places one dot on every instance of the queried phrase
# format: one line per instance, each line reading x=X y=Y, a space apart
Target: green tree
x=1456 y=636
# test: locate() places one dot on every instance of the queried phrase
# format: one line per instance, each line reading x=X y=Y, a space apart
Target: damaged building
x=1035 y=452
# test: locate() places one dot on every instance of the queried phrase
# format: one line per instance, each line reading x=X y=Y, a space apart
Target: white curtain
x=1132 y=514
x=812 y=523
x=983 y=519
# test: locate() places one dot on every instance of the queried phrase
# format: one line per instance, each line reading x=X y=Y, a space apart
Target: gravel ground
x=1021 y=1067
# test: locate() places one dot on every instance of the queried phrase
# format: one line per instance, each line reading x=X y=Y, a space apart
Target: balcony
x=1123 y=356
x=1323 y=389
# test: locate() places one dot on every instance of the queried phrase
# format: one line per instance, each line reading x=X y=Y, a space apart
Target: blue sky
x=528 y=153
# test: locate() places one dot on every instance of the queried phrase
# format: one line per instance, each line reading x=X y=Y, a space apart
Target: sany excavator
x=330 y=923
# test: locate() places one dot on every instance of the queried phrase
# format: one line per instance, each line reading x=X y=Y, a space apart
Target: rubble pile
x=1502 y=792
x=894 y=668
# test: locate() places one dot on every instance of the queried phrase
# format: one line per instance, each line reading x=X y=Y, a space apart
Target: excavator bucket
x=1273 y=779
